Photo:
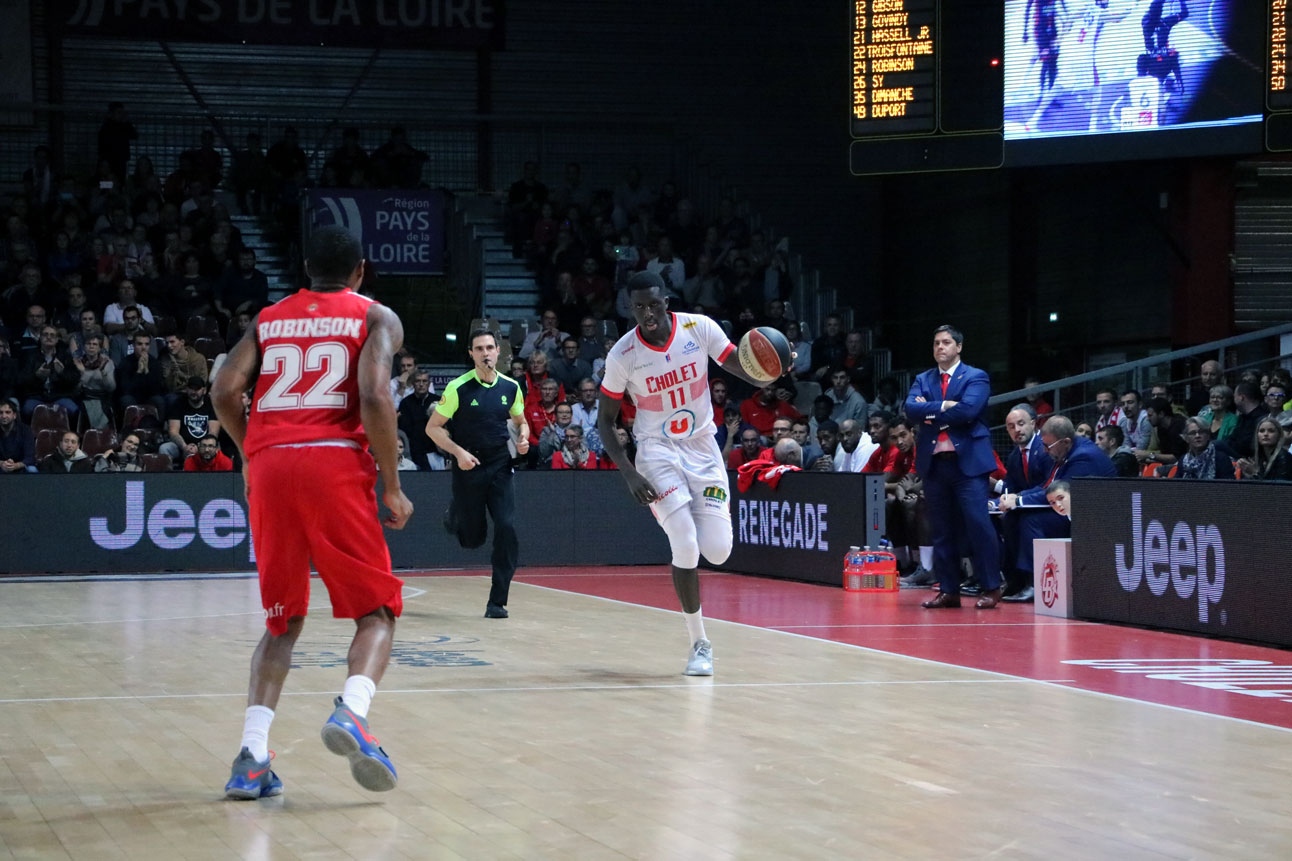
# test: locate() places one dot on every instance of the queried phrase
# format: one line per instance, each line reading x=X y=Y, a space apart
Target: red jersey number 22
x=290 y=364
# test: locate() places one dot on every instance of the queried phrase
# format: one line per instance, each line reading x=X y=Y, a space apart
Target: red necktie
x=944 y=441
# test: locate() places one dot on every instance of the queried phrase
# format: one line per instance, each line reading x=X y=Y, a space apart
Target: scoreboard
x=925 y=85
x=970 y=84
x=1278 y=96
x=894 y=69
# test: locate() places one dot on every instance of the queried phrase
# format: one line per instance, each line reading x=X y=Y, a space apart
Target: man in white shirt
x=855 y=447
x=114 y=315
x=548 y=338
x=1134 y=421
x=401 y=385
x=666 y=266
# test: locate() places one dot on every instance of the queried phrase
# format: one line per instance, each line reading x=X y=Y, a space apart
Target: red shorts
x=318 y=504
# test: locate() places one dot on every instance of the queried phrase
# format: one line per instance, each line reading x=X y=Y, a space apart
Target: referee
x=479 y=403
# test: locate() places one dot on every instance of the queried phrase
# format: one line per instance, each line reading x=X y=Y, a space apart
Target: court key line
x=529 y=689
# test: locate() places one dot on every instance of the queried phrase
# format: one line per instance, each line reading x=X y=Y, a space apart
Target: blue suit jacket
x=970 y=388
x=1039 y=464
x=1085 y=459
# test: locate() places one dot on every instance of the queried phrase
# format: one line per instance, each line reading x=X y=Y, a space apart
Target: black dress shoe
x=1023 y=596
x=989 y=599
x=941 y=600
x=495 y=611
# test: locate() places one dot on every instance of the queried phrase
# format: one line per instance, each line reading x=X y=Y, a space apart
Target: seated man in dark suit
x=1074 y=457
x=1027 y=466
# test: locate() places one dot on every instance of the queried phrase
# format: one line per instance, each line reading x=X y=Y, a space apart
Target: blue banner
x=402 y=231
x=428 y=25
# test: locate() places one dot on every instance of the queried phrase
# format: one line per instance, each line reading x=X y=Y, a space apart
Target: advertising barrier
x=186 y=522
x=801 y=529
x=1201 y=556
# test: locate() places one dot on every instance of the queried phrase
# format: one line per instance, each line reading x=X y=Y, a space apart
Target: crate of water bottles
x=867 y=570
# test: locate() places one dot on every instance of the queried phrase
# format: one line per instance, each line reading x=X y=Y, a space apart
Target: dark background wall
x=757 y=92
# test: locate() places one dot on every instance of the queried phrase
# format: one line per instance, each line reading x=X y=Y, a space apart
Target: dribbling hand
x=640 y=487
x=400 y=509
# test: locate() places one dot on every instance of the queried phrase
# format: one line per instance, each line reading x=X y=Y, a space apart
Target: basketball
x=765 y=354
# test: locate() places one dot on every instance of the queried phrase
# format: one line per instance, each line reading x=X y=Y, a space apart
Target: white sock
x=926 y=558
x=903 y=555
x=695 y=626
x=357 y=694
x=255 y=731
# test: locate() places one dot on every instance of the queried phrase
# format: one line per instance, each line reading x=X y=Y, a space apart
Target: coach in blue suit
x=953 y=455
x=1074 y=456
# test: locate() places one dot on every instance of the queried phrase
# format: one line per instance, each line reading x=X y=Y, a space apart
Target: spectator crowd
x=121 y=293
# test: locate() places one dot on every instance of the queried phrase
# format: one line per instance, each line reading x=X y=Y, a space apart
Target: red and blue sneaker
x=251 y=780
x=346 y=734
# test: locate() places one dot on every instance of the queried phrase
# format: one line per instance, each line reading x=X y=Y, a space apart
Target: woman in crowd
x=1203 y=460
x=1219 y=412
x=125 y=460
x=1271 y=461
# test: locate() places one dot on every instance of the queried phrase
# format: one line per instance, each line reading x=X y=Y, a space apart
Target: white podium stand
x=1052 y=561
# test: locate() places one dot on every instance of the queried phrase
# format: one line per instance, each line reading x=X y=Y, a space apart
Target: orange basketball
x=765 y=354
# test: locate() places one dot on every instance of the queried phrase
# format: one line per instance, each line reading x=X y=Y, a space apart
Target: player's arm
x=377 y=409
x=731 y=364
x=638 y=485
x=237 y=373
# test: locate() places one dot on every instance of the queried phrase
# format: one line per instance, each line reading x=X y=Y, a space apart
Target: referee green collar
x=496 y=377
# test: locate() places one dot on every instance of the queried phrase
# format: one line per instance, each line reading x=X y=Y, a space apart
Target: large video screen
x=1099 y=79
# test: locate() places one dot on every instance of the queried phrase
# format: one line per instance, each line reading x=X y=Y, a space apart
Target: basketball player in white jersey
x=663 y=364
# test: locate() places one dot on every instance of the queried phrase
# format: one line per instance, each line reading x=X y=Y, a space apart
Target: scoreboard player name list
x=885 y=45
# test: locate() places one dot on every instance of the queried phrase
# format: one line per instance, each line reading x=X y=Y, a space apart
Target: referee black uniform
x=479 y=415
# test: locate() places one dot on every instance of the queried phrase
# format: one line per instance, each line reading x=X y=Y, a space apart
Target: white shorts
x=685 y=473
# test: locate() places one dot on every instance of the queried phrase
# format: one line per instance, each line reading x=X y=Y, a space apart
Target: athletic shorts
x=685 y=473
x=318 y=503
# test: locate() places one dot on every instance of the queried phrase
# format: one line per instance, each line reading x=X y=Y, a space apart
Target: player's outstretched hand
x=640 y=487
x=400 y=508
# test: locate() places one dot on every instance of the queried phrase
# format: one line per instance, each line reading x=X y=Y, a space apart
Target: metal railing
x=1071 y=395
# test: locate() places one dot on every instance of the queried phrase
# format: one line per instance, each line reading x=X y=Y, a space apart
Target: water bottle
x=854 y=564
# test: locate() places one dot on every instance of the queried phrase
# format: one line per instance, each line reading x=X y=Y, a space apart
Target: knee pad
x=714 y=534
x=680 y=529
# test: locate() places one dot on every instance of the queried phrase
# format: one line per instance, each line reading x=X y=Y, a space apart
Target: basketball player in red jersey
x=320 y=361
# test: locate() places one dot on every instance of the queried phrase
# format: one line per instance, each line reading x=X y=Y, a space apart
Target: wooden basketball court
x=838 y=725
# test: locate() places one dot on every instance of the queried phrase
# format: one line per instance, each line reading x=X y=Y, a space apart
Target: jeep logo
x=1179 y=561
x=172 y=525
